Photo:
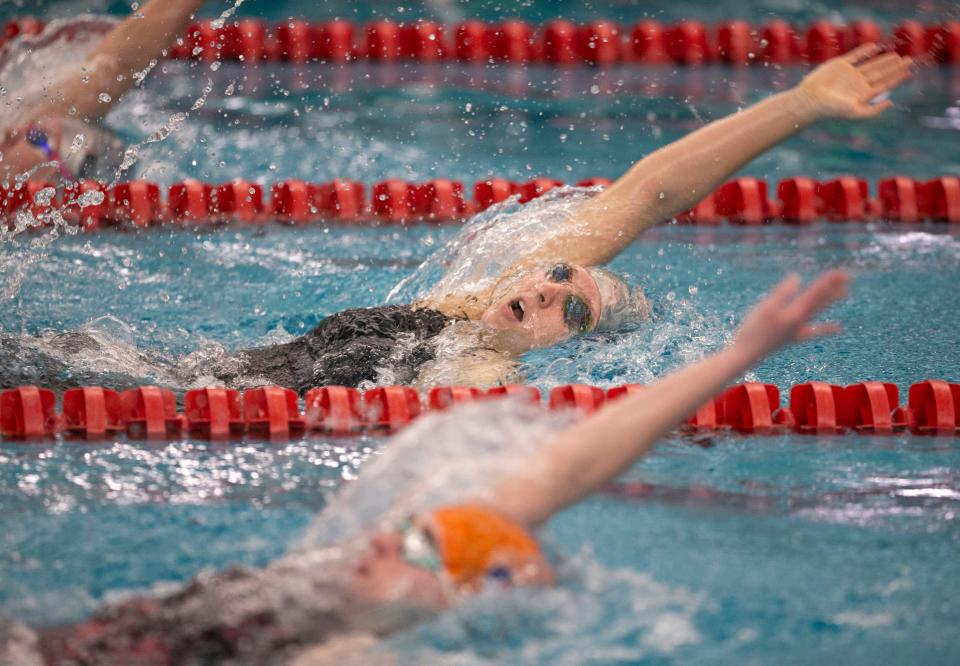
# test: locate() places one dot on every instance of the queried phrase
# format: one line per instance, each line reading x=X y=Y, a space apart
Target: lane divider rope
x=558 y=42
x=94 y=205
x=93 y=413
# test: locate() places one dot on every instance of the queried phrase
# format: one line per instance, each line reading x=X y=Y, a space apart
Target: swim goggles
x=576 y=312
x=38 y=138
x=419 y=548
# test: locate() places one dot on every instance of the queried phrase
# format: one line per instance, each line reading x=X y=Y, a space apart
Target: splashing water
x=490 y=244
x=30 y=65
x=453 y=457
x=441 y=458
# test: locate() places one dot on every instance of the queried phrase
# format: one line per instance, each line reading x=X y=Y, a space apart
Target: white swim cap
x=618 y=305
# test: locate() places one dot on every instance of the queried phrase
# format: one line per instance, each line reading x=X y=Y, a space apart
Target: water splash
x=490 y=244
x=442 y=457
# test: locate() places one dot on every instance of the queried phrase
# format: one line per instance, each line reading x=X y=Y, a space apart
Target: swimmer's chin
x=514 y=341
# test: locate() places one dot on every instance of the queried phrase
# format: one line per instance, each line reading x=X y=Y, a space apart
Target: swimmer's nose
x=547 y=294
x=385 y=543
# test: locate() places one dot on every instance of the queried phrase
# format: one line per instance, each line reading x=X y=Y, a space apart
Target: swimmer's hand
x=784 y=315
x=848 y=85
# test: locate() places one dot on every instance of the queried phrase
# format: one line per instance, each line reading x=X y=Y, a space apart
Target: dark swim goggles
x=576 y=312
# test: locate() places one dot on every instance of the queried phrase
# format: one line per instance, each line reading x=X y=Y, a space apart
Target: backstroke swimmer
x=550 y=287
x=311 y=605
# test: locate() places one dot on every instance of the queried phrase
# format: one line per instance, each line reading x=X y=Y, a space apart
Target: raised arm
x=111 y=68
x=676 y=177
x=595 y=450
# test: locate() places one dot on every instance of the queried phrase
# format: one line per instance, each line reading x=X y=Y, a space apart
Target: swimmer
x=554 y=286
x=551 y=287
x=312 y=606
x=38 y=138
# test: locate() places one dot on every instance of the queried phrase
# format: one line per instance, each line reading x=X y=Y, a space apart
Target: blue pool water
x=736 y=550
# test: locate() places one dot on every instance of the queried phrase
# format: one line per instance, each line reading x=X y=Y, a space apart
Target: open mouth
x=517 y=307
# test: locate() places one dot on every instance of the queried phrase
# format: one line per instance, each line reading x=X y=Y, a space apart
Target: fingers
x=823 y=292
x=812 y=331
x=885 y=68
x=891 y=82
x=784 y=292
x=861 y=53
x=871 y=110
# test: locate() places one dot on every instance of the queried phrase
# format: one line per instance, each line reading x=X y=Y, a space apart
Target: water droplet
x=77 y=143
x=105 y=98
x=92 y=198
x=594 y=89
x=44 y=196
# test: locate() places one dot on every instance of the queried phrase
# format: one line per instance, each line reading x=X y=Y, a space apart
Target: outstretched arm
x=676 y=177
x=596 y=449
x=110 y=69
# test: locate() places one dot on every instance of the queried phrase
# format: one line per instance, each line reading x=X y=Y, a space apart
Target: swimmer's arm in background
x=595 y=450
x=112 y=66
x=676 y=177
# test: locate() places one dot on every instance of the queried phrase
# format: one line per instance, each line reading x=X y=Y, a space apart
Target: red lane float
x=749 y=407
x=529 y=394
x=587 y=399
x=138 y=204
x=933 y=408
x=238 y=200
x=940 y=199
x=150 y=413
x=899 y=199
x=870 y=407
x=781 y=44
x=445 y=397
x=798 y=199
x=213 y=413
x=737 y=43
x=91 y=412
x=86 y=204
x=558 y=42
x=336 y=410
x=814 y=408
x=388 y=408
x=27 y=412
x=648 y=44
x=623 y=391
x=272 y=412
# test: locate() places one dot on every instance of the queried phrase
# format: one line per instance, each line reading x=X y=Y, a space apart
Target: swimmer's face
x=384 y=574
x=546 y=307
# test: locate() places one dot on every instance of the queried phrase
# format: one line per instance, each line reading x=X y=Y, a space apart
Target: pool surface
x=716 y=549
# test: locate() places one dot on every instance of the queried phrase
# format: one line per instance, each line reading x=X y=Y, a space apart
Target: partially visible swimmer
x=326 y=604
x=516 y=286
x=51 y=127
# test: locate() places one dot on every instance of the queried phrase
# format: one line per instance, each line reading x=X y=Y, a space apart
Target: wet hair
x=619 y=305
